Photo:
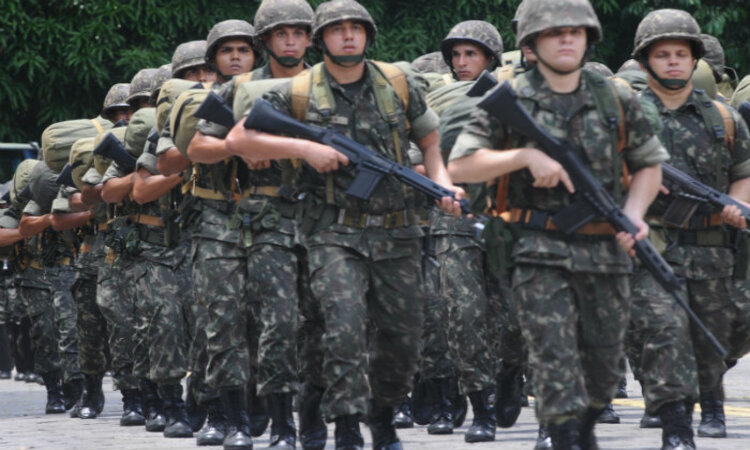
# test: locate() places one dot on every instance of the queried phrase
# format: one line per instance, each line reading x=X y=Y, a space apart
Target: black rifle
x=110 y=147
x=65 y=178
x=744 y=110
x=371 y=167
x=591 y=200
x=6 y=197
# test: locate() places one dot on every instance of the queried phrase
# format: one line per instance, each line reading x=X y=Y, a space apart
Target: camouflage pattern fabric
x=739 y=341
x=36 y=292
x=187 y=55
x=61 y=278
x=91 y=326
x=477 y=32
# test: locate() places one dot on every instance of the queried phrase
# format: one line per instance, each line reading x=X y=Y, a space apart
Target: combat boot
x=238 y=423
x=508 y=395
x=73 y=391
x=347 y=434
x=677 y=430
x=178 y=423
x=712 y=415
x=565 y=436
x=543 y=441
x=55 y=396
x=196 y=413
x=313 y=432
x=460 y=405
x=380 y=421
x=153 y=408
x=587 y=438
x=442 y=422
x=283 y=431
x=421 y=402
x=132 y=410
x=482 y=428
x=608 y=415
x=622 y=389
x=92 y=399
x=648 y=421
x=402 y=417
x=257 y=411
x=214 y=431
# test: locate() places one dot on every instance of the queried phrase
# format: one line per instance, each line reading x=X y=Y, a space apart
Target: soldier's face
x=199 y=73
x=234 y=56
x=118 y=114
x=345 y=38
x=562 y=48
x=671 y=59
x=288 y=41
x=468 y=61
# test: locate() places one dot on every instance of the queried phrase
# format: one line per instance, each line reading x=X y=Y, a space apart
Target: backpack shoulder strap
x=97 y=125
x=397 y=78
x=300 y=92
x=726 y=118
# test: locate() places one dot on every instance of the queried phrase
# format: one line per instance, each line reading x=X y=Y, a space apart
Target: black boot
x=508 y=381
x=347 y=434
x=460 y=405
x=153 y=407
x=543 y=441
x=178 y=423
x=421 y=402
x=648 y=421
x=238 y=423
x=132 y=410
x=622 y=389
x=482 y=429
x=92 y=400
x=73 y=391
x=313 y=432
x=565 y=436
x=283 y=431
x=402 y=417
x=442 y=422
x=380 y=421
x=196 y=413
x=587 y=438
x=257 y=411
x=713 y=423
x=55 y=396
x=609 y=415
x=677 y=429
x=214 y=431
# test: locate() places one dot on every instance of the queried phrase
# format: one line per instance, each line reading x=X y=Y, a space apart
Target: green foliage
x=60 y=57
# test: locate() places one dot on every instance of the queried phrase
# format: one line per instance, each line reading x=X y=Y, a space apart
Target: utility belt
x=534 y=219
x=151 y=229
x=696 y=223
x=193 y=189
x=706 y=238
x=395 y=219
x=64 y=261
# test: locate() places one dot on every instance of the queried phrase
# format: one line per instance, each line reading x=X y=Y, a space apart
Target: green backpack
x=58 y=138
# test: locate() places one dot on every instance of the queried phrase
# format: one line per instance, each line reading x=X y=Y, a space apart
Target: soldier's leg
x=62 y=278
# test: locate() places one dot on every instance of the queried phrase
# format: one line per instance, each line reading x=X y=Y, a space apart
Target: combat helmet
x=274 y=13
x=430 y=62
x=117 y=97
x=187 y=55
x=140 y=85
x=538 y=15
x=477 y=32
x=714 y=55
x=334 y=11
x=231 y=29
x=667 y=24
x=163 y=73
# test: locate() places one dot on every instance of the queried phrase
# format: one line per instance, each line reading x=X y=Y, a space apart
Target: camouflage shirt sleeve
x=423 y=119
x=32 y=208
x=741 y=152
x=642 y=146
x=165 y=139
x=9 y=218
x=147 y=161
x=92 y=176
x=481 y=131
x=61 y=203
x=113 y=171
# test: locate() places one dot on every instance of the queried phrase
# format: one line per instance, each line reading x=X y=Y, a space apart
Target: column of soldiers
x=170 y=245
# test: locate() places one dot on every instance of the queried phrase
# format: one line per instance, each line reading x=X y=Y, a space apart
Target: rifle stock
x=65 y=178
x=502 y=103
x=215 y=109
x=110 y=147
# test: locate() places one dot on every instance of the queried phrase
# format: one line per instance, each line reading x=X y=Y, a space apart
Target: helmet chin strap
x=673 y=84
x=286 y=61
x=345 y=60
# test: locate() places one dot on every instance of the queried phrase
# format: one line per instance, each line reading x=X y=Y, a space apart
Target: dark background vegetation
x=58 y=58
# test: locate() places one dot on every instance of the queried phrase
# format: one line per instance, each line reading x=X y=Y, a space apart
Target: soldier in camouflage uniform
x=565 y=287
x=725 y=77
x=471 y=47
x=139 y=95
x=364 y=256
x=188 y=62
x=668 y=44
x=116 y=107
x=232 y=48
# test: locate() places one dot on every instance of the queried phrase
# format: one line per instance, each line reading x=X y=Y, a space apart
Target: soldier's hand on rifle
x=547 y=172
x=732 y=215
x=324 y=158
x=449 y=205
x=626 y=240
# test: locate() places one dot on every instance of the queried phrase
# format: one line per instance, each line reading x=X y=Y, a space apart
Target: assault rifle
x=744 y=110
x=110 y=147
x=591 y=200
x=371 y=167
x=65 y=178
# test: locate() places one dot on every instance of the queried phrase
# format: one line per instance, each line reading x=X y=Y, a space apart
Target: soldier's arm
x=116 y=189
x=76 y=202
x=31 y=225
x=172 y=161
x=207 y=149
x=91 y=194
x=66 y=221
x=9 y=236
x=149 y=187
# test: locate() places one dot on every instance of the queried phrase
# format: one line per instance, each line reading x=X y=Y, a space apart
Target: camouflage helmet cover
x=667 y=24
x=430 y=63
x=514 y=20
x=140 y=85
x=539 y=15
x=714 y=55
x=163 y=73
x=599 y=68
x=230 y=29
x=188 y=54
x=630 y=64
x=117 y=97
x=334 y=11
x=478 y=32
x=273 y=13
x=703 y=78
x=21 y=178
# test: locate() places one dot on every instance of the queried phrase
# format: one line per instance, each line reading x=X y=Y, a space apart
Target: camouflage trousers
x=573 y=324
x=436 y=361
x=66 y=318
x=163 y=296
x=311 y=329
x=658 y=344
x=462 y=278
x=36 y=292
x=739 y=341
x=354 y=289
x=115 y=297
x=91 y=325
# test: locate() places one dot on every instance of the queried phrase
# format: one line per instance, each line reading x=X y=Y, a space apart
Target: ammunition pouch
x=314 y=215
x=253 y=216
x=123 y=236
x=499 y=237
